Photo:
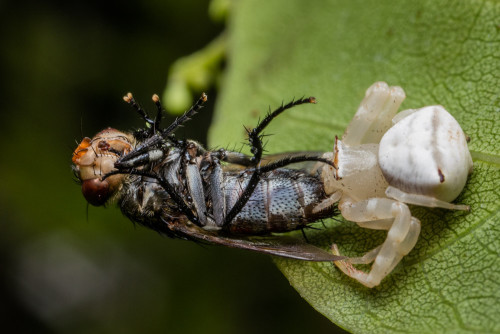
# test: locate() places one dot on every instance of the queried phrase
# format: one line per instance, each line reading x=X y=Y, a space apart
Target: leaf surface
x=440 y=52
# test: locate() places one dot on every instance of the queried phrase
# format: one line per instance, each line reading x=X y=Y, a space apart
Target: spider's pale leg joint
x=328 y=202
x=374 y=115
x=403 y=231
x=422 y=200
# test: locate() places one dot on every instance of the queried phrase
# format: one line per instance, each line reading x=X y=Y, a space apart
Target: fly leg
x=156 y=141
x=192 y=175
x=212 y=173
x=155 y=146
x=255 y=140
x=241 y=159
x=153 y=124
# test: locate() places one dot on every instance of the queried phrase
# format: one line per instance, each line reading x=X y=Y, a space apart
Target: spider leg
x=374 y=115
x=380 y=214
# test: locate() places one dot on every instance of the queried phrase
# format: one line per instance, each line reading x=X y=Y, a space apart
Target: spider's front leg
x=380 y=214
x=374 y=115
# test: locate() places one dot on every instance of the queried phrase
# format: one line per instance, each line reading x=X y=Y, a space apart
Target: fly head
x=96 y=157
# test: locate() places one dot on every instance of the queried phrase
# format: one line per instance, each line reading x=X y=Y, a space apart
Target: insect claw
x=128 y=98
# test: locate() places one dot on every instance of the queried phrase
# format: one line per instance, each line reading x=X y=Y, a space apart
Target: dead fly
x=178 y=188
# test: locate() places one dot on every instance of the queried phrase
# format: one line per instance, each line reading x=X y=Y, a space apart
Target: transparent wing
x=283 y=246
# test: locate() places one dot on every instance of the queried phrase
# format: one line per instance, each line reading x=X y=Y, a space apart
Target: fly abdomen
x=282 y=201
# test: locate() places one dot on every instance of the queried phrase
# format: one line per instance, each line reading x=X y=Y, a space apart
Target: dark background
x=66 y=268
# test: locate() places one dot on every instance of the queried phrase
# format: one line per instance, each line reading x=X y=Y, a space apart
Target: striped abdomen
x=282 y=201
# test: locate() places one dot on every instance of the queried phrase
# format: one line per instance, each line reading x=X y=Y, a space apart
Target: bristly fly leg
x=185 y=117
x=255 y=140
x=152 y=124
x=155 y=140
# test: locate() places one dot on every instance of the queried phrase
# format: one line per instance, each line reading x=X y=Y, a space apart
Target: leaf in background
x=194 y=73
x=440 y=52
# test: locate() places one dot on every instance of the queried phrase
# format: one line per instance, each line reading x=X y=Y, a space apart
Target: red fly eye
x=96 y=191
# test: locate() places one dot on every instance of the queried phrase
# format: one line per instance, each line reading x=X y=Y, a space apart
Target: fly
x=182 y=190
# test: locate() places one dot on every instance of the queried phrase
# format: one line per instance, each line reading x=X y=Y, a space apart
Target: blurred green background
x=66 y=268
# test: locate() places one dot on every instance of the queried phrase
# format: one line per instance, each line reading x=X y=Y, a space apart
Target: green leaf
x=440 y=52
x=196 y=72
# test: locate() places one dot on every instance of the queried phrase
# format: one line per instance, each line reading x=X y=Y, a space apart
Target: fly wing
x=283 y=246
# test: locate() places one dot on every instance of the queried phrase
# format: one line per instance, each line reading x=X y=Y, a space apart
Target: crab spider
x=386 y=161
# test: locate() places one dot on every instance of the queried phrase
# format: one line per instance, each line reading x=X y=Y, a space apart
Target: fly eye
x=96 y=191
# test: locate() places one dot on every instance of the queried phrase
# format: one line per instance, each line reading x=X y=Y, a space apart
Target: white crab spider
x=385 y=160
